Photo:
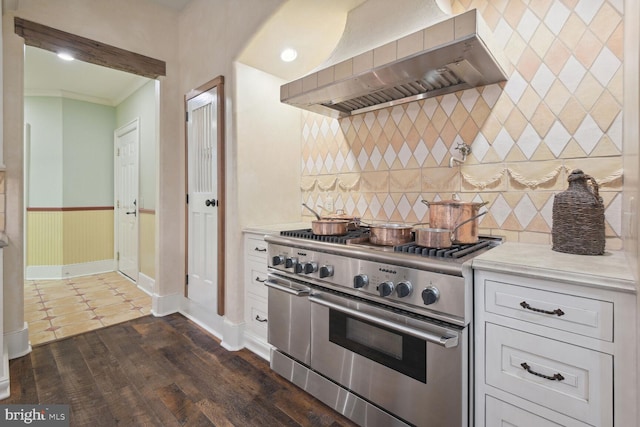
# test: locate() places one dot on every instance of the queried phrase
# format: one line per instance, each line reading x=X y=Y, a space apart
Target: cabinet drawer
x=255 y=276
x=256 y=247
x=257 y=320
x=499 y=413
x=524 y=364
x=579 y=315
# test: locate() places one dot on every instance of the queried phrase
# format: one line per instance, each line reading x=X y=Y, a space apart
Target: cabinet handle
x=260 y=249
x=526 y=306
x=258 y=279
x=263 y=319
x=555 y=377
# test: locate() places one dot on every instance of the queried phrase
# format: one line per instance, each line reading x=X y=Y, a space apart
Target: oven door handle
x=286 y=289
x=446 y=341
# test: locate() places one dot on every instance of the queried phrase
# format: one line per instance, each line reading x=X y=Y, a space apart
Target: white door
x=126 y=206
x=202 y=199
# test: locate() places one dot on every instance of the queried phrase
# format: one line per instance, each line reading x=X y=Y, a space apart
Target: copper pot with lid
x=329 y=226
x=455 y=214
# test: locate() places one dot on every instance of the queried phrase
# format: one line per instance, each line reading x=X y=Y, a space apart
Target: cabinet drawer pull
x=258 y=279
x=555 y=377
x=260 y=319
x=526 y=306
x=257 y=249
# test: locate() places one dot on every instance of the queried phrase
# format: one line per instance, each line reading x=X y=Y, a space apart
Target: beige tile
x=64 y=309
x=405 y=180
x=78 y=328
x=109 y=310
x=41 y=337
x=34 y=316
x=71 y=318
x=536 y=175
x=121 y=317
x=54 y=302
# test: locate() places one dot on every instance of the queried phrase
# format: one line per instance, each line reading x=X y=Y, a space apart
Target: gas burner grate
x=455 y=251
x=307 y=233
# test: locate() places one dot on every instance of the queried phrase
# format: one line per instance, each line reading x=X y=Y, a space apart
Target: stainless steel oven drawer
x=289 y=326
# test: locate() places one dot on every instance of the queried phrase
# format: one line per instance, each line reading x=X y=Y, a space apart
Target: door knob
x=131 y=213
x=211 y=202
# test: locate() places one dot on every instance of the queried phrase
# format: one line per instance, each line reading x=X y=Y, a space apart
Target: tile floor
x=61 y=308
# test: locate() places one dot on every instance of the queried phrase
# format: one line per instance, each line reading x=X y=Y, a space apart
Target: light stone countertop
x=609 y=271
x=275 y=228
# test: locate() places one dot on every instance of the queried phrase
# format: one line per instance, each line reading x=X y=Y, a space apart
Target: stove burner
x=455 y=251
x=307 y=233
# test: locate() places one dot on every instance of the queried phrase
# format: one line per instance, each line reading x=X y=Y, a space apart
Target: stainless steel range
x=379 y=333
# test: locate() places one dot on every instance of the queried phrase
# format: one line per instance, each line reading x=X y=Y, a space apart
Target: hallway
x=57 y=309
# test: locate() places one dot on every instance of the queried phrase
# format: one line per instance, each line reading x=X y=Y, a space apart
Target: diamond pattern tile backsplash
x=561 y=109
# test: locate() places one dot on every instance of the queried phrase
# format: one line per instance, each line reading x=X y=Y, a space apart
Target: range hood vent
x=455 y=54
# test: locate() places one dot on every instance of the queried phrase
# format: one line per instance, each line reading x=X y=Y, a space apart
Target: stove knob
x=360 y=281
x=278 y=259
x=430 y=295
x=326 y=271
x=404 y=289
x=385 y=289
x=290 y=262
x=310 y=267
x=298 y=268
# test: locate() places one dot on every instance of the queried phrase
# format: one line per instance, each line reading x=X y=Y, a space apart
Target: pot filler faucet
x=464 y=149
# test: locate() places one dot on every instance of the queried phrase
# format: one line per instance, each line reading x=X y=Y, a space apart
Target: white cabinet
x=551 y=351
x=255 y=294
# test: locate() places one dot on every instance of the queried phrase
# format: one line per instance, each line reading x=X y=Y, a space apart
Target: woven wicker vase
x=578 y=217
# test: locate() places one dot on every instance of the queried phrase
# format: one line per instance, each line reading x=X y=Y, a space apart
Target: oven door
x=415 y=369
x=289 y=318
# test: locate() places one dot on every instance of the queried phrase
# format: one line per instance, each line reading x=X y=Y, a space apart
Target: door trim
x=217 y=83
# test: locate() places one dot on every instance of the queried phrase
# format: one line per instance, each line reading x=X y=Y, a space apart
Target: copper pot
x=450 y=214
x=390 y=234
x=441 y=237
x=329 y=227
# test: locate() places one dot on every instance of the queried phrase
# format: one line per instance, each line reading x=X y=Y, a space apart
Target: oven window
x=400 y=352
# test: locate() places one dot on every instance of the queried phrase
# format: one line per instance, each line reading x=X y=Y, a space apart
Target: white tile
x=405 y=154
x=503 y=144
x=375 y=157
x=439 y=150
x=351 y=160
x=547 y=212
x=305 y=132
x=375 y=206
x=339 y=161
x=618 y=4
x=529 y=141
x=572 y=73
x=448 y=103
x=363 y=158
x=390 y=155
x=557 y=138
x=542 y=80
x=356 y=122
x=328 y=162
x=613 y=214
x=335 y=126
x=556 y=17
x=388 y=206
x=338 y=202
x=588 y=134
x=605 y=66
x=383 y=116
x=528 y=25
x=500 y=210
x=502 y=33
x=362 y=204
x=310 y=165
x=314 y=130
x=413 y=108
x=587 y=9
x=319 y=163
x=615 y=132
x=396 y=113
x=369 y=119
x=491 y=93
x=324 y=128
x=480 y=146
x=345 y=124
x=404 y=207
x=349 y=204
x=420 y=209
x=429 y=107
x=469 y=98
x=303 y=166
x=525 y=210
x=515 y=87
x=421 y=152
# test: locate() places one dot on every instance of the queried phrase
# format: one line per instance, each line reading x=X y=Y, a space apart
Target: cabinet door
x=568 y=379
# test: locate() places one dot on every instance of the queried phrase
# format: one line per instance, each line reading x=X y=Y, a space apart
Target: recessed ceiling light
x=288 y=54
x=65 y=56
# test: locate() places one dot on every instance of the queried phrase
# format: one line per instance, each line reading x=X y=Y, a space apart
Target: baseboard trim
x=5 y=389
x=257 y=345
x=17 y=342
x=206 y=319
x=52 y=272
x=163 y=305
x=232 y=338
x=146 y=283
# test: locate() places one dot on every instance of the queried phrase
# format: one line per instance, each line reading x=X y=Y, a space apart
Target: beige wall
x=147 y=248
x=561 y=109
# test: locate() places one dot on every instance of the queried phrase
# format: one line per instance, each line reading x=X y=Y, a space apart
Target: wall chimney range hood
x=453 y=54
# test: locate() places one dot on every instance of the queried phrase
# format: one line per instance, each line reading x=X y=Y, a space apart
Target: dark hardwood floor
x=163 y=371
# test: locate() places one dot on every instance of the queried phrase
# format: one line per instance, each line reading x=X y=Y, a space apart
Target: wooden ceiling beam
x=87 y=50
